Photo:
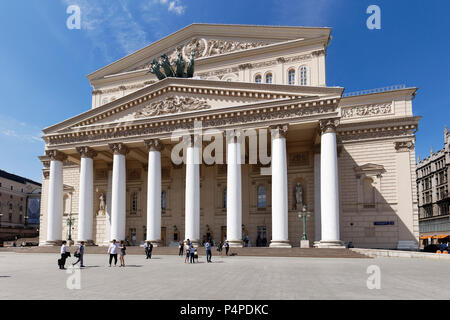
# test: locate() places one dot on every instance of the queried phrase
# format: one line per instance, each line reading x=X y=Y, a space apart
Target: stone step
x=257 y=252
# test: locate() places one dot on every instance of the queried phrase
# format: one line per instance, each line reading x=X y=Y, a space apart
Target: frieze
x=366 y=110
x=375 y=133
x=171 y=105
x=285 y=113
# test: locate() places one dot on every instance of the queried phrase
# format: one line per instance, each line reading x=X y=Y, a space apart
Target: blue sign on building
x=383 y=223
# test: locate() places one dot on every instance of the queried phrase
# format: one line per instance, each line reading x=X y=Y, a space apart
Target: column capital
x=154 y=145
x=118 y=148
x=279 y=131
x=328 y=125
x=193 y=140
x=56 y=155
x=233 y=135
x=86 y=152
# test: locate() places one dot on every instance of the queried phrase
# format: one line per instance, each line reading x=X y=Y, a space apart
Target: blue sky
x=44 y=65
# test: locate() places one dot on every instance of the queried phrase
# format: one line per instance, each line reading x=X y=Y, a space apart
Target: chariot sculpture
x=179 y=68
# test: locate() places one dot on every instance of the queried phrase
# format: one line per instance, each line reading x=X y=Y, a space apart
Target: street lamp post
x=304 y=215
x=69 y=223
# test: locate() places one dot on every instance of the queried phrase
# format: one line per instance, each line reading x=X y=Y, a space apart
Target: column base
x=235 y=243
x=280 y=244
x=305 y=244
x=88 y=243
x=51 y=243
x=336 y=244
x=155 y=243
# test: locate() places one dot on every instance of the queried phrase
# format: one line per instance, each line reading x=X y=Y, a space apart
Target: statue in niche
x=102 y=204
x=299 y=195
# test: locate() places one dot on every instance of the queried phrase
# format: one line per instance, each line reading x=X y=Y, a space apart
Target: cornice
x=196 y=86
x=404 y=127
x=271 y=113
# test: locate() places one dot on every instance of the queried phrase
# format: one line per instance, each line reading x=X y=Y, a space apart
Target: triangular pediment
x=209 y=40
x=176 y=98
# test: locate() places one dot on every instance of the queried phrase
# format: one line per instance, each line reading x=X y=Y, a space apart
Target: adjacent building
x=433 y=197
x=19 y=205
x=254 y=138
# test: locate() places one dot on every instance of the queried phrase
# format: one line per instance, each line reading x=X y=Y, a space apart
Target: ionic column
x=329 y=185
x=234 y=191
x=280 y=231
x=192 y=201
x=154 y=147
x=118 y=201
x=86 y=198
x=55 y=197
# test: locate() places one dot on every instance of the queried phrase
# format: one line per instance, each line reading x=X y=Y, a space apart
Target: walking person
x=62 y=261
x=208 y=251
x=79 y=254
x=122 y=253
x=112 y=251
x=227 y=247
x=150 y=249
x=148 y=253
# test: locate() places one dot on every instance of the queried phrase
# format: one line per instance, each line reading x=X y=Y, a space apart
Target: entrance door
x=223 y=233
x=261 y=238
x=163 y=236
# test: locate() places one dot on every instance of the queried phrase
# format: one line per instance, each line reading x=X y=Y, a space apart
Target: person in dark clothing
x=227 y=247
x=181 y=247
x=148 y=249
x=208 y=251
x=192 y=252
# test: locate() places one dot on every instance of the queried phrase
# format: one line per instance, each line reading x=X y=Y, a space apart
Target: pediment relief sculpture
x=172 y=105
x=207 y=48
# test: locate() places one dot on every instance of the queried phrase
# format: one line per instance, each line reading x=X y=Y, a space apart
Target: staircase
x=252 y=251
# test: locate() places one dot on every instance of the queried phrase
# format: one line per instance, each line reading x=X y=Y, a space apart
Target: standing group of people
x=120 y=248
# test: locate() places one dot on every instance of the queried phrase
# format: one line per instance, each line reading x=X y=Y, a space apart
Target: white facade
x=348 y=159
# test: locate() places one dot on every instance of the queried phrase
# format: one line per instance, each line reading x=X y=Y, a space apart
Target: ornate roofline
x=282 y=33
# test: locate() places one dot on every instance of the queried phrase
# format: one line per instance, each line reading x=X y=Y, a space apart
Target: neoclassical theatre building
x=345 y=160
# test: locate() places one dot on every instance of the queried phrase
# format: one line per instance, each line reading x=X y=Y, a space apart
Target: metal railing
x=376 y=90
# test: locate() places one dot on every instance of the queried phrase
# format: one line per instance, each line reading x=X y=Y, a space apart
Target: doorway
x=223 y=233
x=163 y=236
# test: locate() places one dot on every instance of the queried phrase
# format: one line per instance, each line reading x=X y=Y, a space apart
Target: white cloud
x=176 y=7
x=19 y=130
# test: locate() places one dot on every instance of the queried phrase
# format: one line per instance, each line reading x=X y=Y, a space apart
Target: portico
x=224 y=155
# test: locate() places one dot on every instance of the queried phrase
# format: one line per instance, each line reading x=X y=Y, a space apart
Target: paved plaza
x=36 y=276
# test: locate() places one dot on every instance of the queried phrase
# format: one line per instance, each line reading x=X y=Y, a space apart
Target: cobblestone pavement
x=36 y=276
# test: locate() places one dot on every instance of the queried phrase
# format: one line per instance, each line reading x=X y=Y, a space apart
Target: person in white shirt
x=63 y=255
x=112 y=251
x=187 y=249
